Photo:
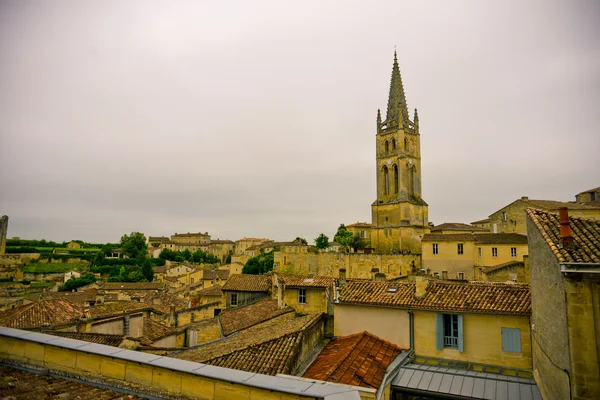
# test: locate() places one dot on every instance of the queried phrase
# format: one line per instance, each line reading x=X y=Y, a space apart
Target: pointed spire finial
x=416 y=116
x=378 y=120
x=396 y=99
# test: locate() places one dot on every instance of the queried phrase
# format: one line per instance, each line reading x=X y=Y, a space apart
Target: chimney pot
x=524 y=197
x=566 y=234
x=342 y=273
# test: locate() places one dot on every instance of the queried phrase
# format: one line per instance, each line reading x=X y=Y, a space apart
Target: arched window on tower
x=411 y=180
x=395 y=179
x=387 y=146
x=393 y=144
x=405 y=144
x=386 y=181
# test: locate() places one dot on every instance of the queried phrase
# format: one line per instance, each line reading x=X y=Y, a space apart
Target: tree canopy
x=344 y=236
x=260 y=264
x=322 y=242
x=134 y=245
x=75 y=283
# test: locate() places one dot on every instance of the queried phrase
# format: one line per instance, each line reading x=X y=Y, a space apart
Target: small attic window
x=392 y=290
x=310 y=280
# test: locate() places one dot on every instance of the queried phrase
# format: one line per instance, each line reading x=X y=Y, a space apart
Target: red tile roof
x=477 y=297
x=17 y=384
x=100 y=338
x=360 y=360
x=499 y=267
x=152 y=331
x=106 y=310
x=210 y=274
x=46 y=312
x=244 y=317
x=133 y=286
x=586 y=237
x=214 y=290
x=248 y=283
x=269 y=348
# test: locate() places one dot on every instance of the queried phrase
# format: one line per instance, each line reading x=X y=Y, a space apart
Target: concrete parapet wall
x=157 y=375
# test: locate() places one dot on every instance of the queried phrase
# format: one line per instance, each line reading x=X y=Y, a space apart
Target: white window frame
x=513 y=252
x=301 y=296
x=451 y=331
x=435 y=248
x=460 y=248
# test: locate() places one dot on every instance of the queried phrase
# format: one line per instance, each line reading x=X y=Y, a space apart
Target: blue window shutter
x=439 y=331
x=511 y=340
x=461 y=342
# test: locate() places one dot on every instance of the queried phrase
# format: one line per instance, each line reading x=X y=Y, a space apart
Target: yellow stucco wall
x=185 y=317
x=389 y=324
x=482 y=335
x=316 y=300
x=504 y=254
x=135 y=376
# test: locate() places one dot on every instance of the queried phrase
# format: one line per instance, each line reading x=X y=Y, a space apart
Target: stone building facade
x=399 y=214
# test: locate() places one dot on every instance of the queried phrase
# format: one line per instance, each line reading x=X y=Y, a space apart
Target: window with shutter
x=511 y=340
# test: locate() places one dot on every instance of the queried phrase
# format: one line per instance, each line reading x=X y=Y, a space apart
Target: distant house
x=306 y=294
x=246 y=289
x=73 y=245
x=72 y=274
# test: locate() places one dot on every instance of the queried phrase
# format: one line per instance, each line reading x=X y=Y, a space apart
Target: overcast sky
x=258 y=118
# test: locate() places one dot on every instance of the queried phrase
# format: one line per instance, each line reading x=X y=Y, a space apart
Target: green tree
x=134 y=245
x=187 y=254
x=147 y=270
x=75 y=283
x=344 y=236
x=322 y=242
x=228 y=259
x=300 y=240
x=259 y=265
x=358 y=242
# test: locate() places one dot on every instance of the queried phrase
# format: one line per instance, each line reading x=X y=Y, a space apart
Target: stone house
x=514 y=271
x=73 y=245
x=482 y=223
x=305 y=294
x=71 y=274
x=243 y=244
x=244 y=289
x=454 y=256
x=485 y=323
x=589 y=196
x=564 y=255
x=363 y=230
x=457 y=227
x=512 y=218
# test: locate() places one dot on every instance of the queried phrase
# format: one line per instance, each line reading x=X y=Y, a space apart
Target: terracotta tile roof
x=248 y=283
x=100 y=338
x=484 y=238
x=17 y=384
x=214 y=290
x=268 y=348
x=132 y=286
x=455 y=226
x=586 y=237
x=555 y=205
x=210 y=274
x=74 y=297
x=479 y=297
x=360 y=360
x=244 y=317
x=48 y=311
x=106 y=310
x=499 y=267
x=190 y=234
x=157 y=238
x=160 y=270
x=152 y=331
x=222 y=242
x=305 y=280
x=481 y=221
x=162 y=301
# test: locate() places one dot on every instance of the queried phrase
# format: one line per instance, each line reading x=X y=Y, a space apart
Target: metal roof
x=460 y=383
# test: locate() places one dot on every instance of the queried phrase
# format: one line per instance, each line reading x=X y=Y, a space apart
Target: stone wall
x=356 y=265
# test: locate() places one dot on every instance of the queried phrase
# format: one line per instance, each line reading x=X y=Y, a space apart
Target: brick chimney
x=566 y=234
x=421 y=284
x=342 y=279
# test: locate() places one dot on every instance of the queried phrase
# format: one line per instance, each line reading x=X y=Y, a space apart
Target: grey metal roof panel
x=425 y=380
x=406 y=377
x=467 y=387
x=435 y=383
x=535 y=391
x=502 y=390
x=478 y=386
x=415 y=379
x=446 y=383
x=525 y=392
x=490 y=390
x=457 y=382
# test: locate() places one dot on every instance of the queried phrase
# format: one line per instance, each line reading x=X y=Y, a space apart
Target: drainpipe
x=411 y=328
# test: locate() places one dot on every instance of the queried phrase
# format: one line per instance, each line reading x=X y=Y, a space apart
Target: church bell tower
x=399 y=214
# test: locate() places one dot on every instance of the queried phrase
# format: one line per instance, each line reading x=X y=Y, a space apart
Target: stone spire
x=397 y=99
x=378 y=120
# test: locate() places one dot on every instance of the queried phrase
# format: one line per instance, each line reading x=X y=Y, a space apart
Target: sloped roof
x=502 y=266
x=210 y=274
x=48 y=311
x=586 y=236
x=106 y=310
x=160 y=270
x=550 y=205
x=100 y=338
x=162 y=301
x=360 y=225
x=455 y=226
x=309 y=281
x=590 y=190
x=481 y=221
x=214 y=290
x=248 y=283
x=132 y=286
x=268 y=347
x=17 y=384
x=485 y=238
x=233 y=320
x=477 y=297
x=222 y=241
x=360 y=360
x=152 y=331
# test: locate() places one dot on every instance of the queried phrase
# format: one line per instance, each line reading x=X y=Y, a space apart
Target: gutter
x=581 y=268
x=410 y=309
x=392 y=371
